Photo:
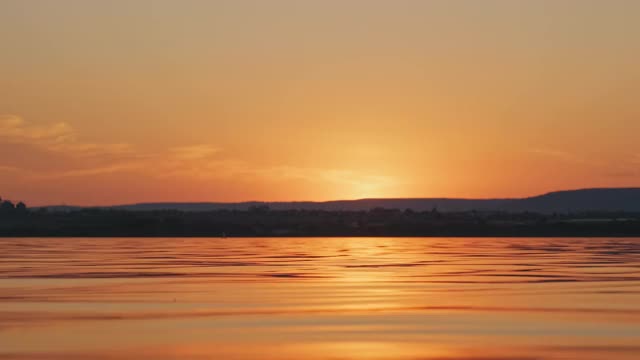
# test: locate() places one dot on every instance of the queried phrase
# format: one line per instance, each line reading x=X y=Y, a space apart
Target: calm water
x=338 y=298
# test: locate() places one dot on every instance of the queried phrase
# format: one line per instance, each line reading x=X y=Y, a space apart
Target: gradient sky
x=105 y=102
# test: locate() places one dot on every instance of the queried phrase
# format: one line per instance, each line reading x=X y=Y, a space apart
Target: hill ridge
x=587 y=199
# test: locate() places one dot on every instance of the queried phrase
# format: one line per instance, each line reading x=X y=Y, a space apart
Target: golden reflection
x=320 y=298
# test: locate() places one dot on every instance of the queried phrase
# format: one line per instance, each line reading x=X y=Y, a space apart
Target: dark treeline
x=8 y=208
x=261 y=221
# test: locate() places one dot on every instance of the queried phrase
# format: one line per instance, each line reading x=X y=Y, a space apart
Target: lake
x=320 y=298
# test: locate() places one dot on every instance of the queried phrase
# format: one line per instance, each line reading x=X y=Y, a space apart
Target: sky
x=112 y=102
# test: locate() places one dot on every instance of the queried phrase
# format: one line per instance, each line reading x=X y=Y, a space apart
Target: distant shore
x=264 y=222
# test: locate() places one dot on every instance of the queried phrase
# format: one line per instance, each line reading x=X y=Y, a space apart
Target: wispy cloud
x=192 y=162
x=58 y=137
x=89 y=171
x=62 y=139
x=15 y=129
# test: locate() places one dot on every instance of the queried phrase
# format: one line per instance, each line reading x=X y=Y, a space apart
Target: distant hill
x=612 y=199
x=605 y=199
x=337 y=205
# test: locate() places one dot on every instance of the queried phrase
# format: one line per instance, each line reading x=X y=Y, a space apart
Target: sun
x=370 y=188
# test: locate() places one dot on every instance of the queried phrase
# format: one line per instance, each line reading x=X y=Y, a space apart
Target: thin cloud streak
x=56 y=137
x=198 y=162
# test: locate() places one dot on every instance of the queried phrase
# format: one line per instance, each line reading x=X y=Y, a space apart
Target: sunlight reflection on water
x=320 y=298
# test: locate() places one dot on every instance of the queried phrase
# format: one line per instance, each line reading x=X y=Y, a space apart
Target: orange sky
x=119 y=101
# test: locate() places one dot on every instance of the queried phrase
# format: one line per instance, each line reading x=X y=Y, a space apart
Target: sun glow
x=369 y=187
x=367 y=191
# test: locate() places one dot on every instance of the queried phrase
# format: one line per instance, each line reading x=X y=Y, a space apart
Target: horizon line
x=336 y=200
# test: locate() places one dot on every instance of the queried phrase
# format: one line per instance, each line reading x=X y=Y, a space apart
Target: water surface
x=320 y=298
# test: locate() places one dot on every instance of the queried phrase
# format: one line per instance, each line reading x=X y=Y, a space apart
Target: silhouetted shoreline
x=566 y=201
x=261 y=221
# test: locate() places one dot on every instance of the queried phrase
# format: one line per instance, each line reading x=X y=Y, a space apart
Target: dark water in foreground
x=339 y=298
